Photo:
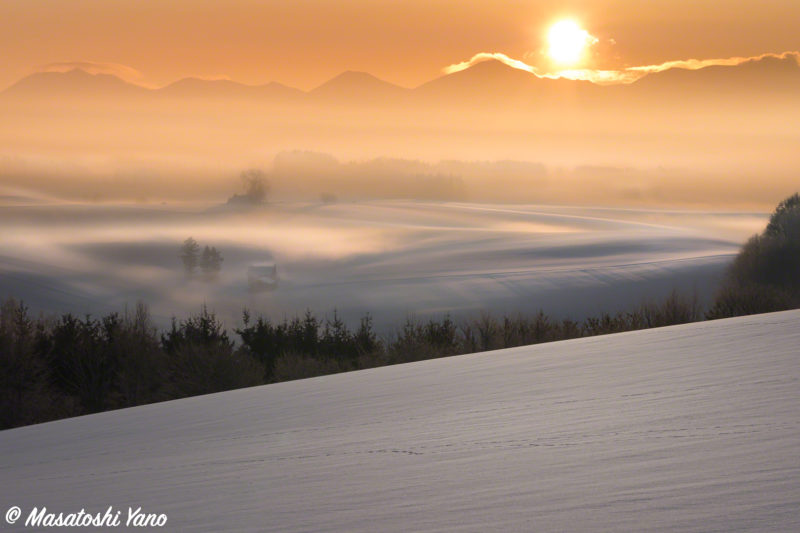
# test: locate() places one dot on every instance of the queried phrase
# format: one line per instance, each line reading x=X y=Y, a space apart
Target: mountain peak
x=353 y=83
x=73 y=82
x=483 y=81
x=493 y=65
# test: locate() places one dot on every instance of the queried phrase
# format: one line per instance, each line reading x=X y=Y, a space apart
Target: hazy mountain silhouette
x=75 y=83
x=486 y=82
x=492 y=82
x=195 y=88
x=766 y=76
x=486 y=79
x=727 y=91
x=726 y=117
x=358 y=87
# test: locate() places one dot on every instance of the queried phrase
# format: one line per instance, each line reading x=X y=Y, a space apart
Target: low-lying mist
x=389 y=258
x=312 y=176
x=485 y=189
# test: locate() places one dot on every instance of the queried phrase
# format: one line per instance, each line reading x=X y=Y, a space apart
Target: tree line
x=59 y=367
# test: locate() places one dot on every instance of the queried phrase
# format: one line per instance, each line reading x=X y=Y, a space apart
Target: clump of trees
x=307 y=346
x=256 y=189
x=765 y=275
x=201 y=358
x=56 y=368
x=209 y=261
x=59 y=367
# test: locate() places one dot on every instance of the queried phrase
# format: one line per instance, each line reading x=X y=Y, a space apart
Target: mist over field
x=390 y=258
x=563 y=196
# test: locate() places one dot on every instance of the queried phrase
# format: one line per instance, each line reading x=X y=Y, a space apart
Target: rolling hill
x=685 y=428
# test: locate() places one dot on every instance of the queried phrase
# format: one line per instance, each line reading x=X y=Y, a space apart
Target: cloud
x=485 y=56
x=597 y=76
x=600 y=77
x=696 y=64
x=92 y=67
x=609 y=77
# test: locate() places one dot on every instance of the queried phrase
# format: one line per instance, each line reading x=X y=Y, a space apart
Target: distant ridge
x=472 y=81
x=221 y=89
x=493 y=80
x=357 y=85
x=766 y=72
x=488 y=83
x=75 y=82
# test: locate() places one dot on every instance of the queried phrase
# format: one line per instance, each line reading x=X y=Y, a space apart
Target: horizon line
x=601 y=77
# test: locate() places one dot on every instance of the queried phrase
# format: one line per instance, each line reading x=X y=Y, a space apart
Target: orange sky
x=305 y=42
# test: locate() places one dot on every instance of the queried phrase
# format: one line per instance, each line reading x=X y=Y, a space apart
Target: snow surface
x=686 y=428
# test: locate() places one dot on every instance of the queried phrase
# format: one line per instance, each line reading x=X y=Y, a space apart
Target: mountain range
x=485 y=82
x=739 y=115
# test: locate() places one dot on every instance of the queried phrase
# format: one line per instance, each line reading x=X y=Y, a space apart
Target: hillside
x=687 y=428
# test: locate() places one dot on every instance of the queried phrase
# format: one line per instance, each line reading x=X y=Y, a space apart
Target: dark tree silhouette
x=256 y=185
x=202 y=359
x=256 y=188
x=765 y=276
x=211 y=261
x=785 y=221
x=189 y=255
x=56 y=368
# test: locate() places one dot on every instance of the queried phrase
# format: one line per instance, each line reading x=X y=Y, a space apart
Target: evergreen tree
x=189 y=252
x=211 y=261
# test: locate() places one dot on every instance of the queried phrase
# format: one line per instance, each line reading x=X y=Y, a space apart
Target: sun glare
x=567 y=42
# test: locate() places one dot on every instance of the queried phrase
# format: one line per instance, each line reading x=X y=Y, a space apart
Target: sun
x=567 y=42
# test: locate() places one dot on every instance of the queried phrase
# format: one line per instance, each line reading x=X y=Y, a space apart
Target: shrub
x=289 y=366
x=675 y=309
x=741 y=298
x=418 y=341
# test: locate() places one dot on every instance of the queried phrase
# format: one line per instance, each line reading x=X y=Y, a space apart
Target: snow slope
x=686 y=428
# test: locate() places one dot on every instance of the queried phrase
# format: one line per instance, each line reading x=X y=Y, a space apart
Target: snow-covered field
x=388 y=258
x=686 y=428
